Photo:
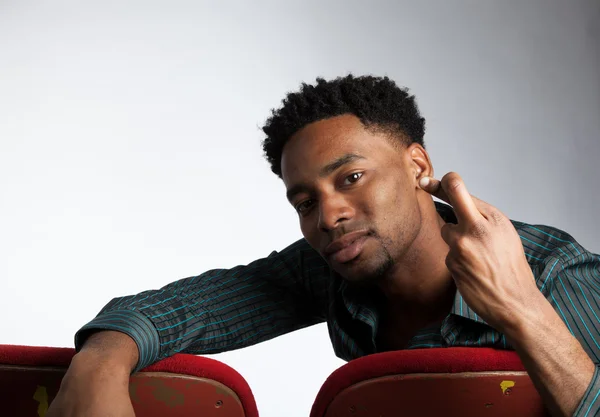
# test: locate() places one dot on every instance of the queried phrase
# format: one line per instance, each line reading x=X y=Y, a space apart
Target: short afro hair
x=377 y=101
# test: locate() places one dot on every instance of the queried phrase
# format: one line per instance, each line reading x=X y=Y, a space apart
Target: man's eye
x=352 y=178
x=304 y=206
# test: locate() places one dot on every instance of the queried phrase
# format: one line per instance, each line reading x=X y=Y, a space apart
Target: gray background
x=130 y=143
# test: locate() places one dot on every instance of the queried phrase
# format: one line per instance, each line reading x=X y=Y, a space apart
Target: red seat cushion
x=180 y=364
x=438 y=362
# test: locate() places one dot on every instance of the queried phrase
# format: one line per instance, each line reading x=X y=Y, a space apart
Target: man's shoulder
x=543 y=242
x=301 y=254
x=300 y=246
x=542 y=232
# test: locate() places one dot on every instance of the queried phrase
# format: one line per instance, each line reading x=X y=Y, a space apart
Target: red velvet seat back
x=448 y=382
x=183 y=385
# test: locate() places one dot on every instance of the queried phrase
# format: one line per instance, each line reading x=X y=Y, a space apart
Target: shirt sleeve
x=574 y=292
x=221 y=309
x=590 y=405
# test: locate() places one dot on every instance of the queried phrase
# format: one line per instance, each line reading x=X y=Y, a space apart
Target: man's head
x=350 y=152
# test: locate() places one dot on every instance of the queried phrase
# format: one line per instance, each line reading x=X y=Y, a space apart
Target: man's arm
x=216 y=311
x=559 y=367
x=558 y=337
x=221 y=310
x=488 y=264
x=97 y=381
x=111 y=347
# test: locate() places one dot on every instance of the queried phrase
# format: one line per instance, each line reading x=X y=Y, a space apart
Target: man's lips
x=347 y=247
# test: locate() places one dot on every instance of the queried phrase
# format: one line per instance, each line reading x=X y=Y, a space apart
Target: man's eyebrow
x=339 y=162
x=325 y=171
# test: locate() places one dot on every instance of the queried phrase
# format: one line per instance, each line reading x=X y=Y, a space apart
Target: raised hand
x=486 y=257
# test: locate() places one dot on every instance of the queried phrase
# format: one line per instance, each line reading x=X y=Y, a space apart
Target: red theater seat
x=183 y=385
x=445 y=382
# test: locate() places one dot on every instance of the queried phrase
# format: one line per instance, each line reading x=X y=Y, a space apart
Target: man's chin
x=368 y=268
x=360 y=274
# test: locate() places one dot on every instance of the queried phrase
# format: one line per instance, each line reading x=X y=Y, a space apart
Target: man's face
x=355 y=191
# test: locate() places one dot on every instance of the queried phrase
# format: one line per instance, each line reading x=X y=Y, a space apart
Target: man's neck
x=420 y=288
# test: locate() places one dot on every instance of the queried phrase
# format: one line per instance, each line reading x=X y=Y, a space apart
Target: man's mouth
x=347 y=247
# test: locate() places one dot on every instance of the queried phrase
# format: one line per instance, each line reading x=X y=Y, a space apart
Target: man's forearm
x=97 y=381
x=559 y=367
x=110 y=348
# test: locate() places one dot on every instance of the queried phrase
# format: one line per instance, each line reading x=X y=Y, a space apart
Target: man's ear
x=420 y=162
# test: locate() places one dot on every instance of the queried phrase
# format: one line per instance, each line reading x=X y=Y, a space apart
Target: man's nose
x=333 y=211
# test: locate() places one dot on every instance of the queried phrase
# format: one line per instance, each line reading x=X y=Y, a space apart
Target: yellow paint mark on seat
x=504 y=385
x=41 y=396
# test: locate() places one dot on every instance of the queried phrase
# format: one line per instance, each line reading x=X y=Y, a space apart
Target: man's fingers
x=462 y=202
x=453 y=191
x=434 y=187
x=449 y=233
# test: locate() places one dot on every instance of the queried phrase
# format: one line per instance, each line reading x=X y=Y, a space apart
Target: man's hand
x=486 y=257
x=97 y=382
x=92 y=390
x=488 y=264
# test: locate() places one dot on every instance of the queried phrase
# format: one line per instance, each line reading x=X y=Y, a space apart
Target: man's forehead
x=320 y=155
x=319 y=147
x=323 y=160
x=332 y=128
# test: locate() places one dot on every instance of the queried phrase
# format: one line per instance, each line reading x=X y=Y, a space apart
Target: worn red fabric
x=435 y=360
x=35 y=355
x=178 y=364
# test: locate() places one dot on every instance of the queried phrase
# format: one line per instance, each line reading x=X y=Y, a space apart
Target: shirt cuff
x=133 y=324
x=590 y=403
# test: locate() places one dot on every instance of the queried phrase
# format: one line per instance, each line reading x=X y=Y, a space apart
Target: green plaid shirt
x=226 y=309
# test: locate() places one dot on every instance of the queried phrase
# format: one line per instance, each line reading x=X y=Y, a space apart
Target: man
x=383 y=264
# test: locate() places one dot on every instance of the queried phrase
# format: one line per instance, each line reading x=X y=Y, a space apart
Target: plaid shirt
x=227 y=309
